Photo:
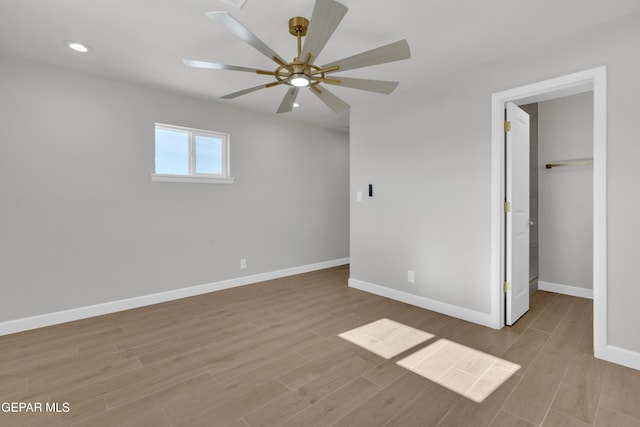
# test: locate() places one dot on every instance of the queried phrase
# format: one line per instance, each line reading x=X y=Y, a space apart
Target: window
x=191 y=155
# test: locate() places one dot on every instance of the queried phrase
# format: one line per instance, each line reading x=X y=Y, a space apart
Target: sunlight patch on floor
x=386 y=338
x=469 y=372
x=464 y=370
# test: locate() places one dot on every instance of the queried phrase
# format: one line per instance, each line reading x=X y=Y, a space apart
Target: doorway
x=562 y=185
x=589 y=80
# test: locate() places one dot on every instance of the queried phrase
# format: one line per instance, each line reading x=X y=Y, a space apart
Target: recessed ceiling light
x=77 y=46
x=296 y=105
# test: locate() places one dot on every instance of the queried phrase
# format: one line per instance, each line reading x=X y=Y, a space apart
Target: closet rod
x=586 y=162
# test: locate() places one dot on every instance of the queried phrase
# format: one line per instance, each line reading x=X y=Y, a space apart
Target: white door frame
x=589 y=80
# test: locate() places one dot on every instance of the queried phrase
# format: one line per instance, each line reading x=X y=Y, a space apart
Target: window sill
x=191 y=179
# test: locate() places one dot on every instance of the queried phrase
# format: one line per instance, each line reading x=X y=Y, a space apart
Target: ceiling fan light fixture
x=299 y=80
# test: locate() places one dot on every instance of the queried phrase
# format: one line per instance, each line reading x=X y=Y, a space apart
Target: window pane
x=208 y=155
x=172 y=152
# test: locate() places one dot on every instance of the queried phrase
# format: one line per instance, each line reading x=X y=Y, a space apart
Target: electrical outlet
x=411 y=276
x=243 y=263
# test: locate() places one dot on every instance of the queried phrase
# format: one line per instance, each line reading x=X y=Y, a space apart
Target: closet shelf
x=581 y=162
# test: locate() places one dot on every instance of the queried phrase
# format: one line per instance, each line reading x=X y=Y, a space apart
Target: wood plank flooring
x=269 y=355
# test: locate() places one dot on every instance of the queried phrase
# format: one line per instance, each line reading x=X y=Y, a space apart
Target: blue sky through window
x=172 y=152
x=188 y=152
x=208 y=155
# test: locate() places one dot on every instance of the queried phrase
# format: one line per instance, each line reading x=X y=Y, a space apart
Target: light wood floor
x=269 y=354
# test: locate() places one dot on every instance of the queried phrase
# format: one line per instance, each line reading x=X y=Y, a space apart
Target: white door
x=517 y=214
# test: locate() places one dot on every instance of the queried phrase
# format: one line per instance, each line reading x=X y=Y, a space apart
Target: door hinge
x=507 y=126
x=507 y=207
x=507 y=287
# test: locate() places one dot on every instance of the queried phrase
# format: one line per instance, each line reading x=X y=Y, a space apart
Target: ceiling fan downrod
x=298 y=73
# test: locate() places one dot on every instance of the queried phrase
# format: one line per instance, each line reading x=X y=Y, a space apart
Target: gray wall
x=81 y=222
x=427 y=149
x=566 y=193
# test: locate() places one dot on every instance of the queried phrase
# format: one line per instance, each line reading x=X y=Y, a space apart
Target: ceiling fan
x=302 y=71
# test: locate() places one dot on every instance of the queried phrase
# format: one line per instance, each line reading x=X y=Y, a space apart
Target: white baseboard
x=34 y=322
x=478 y=317
x=621 y=356
x=565 y=289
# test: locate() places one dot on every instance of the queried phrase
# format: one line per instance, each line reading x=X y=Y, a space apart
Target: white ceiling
x=144 y=41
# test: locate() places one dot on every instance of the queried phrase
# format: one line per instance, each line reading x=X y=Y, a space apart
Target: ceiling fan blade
x=216 y=66
x=379 y=86
x=243 y=33
x=243 y=92
x=332 y=101
x=383 y=54
x=287 y=102
x=325 y=18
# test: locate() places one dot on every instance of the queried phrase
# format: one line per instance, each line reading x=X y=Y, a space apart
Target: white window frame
x=199 y=178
